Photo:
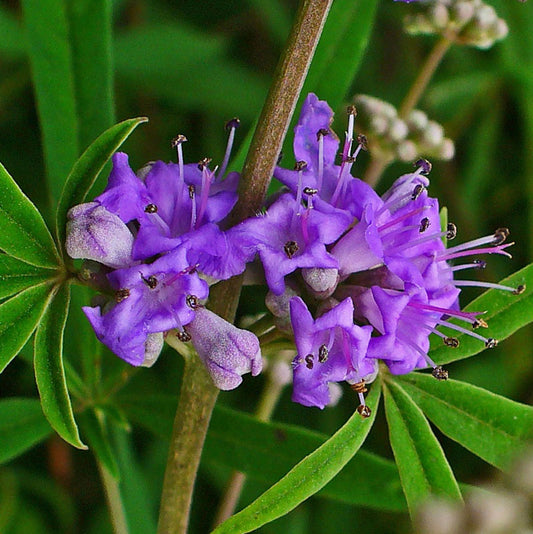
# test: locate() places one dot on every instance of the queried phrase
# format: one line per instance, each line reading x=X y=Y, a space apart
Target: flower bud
x=94 y=233
x=153 y=347
x=227 y=351
x=323 y=282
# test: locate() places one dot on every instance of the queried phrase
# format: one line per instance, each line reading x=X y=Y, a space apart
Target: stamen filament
x=393 y=222
x=490 y=285
x=477 y=264
x=488 y=250
x=233 y=124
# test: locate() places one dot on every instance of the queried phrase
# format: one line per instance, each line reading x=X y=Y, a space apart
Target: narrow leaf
x=19 y=317
x=22 y=425
x=16 y=275
x=93 y=427
x=49 y=371
x=86 y=169
x=492 y=427
x=424 y=470
x=24 y=233
x=506 y=313
x=51 y=61
x=306 y=478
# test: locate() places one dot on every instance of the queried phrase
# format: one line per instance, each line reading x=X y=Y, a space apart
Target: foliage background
x=190 y=66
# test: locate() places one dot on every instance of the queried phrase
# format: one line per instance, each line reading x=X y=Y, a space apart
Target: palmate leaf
x=22 y=425
x=24 y=233
x=19 y=317
x=86 y=169
x=506 y=313
x=49 y=370
x=492 y=427
x=423 y=468
x=306 y=478
x=16 y=275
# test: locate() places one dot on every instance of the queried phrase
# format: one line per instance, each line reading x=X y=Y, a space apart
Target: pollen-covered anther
x=232 y=123
x=479 y=322
x=424 y=165
x=203 y=163
x=291 y=248
x=500 y=235
x=178 y=140
x=192 y=191
x=183 y=336
x=323 y=354
x=359 y=387
x=151 y=281
x=424 y=224
x=150 y=208
x=362 y=141
x=452 y=342
x=480 y=264
x=364 y=411
x=451 y=231
x=122 y=294
x=321 y=133
x=440 y=373
x=417 y=191
x=300 y=165
x=309 y=361
x=310 y=191
x=491 y=343
x=192 y=301
x=519 y=289
x=351 y=110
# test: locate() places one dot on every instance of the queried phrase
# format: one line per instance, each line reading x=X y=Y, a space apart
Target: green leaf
x=492 y=427
x=506 y=313
x=93 y=426
x=16 y=275
x=19 y=317
x=424 y=470
x=22 y=425
x=51 y=61
x=24 y=233
x=90 y=44
x=49 y=371
x=13 y=42
x=86 y=169
x=306 y=478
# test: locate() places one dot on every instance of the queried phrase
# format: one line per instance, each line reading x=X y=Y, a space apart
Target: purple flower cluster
x=361 y=277
x=157 y=241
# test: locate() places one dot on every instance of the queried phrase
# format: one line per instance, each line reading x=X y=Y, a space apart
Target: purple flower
x=330 y=349
x=227 y=351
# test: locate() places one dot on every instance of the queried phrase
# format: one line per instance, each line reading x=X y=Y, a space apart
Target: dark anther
x=300 y=166
x=151 y=281
x=190 y=270
x=491 y=343
x=192 y=190
x=291 y=248
x=362 y=141
x=122 y=294
x=424 y=224
x=425 y=164
x=310 y=191
x=500 y=235
x=232 y=123
x=451 y=231
x=479 y=322
x=351 y=110
x=183 y=336
x=150 y=208
x=519 y=289
x=192 y=301
x=321 y=133
x=202 y=164
x=323 y=354
x=348 y=159
x=309 y=363
x=364 y=411
x=417 y=191
x=178 y=140
x=439 y=373
x=480 y=264
x=359 y=387
x=452 y=342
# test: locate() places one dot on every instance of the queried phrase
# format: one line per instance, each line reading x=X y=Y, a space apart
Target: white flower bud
x=407 y=151
x=398 y=129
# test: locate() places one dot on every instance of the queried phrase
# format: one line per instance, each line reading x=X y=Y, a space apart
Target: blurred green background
x=189 y=66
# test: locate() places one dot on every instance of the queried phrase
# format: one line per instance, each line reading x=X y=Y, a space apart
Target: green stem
x=114 y=501
x=198 y=394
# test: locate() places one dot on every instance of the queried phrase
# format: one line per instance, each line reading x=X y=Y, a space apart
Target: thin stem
x=265 y=409
x=198 y=394
x=114 y=501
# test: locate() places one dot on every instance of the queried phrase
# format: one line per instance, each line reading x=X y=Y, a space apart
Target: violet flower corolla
x=391 y=264
x=157 y=241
